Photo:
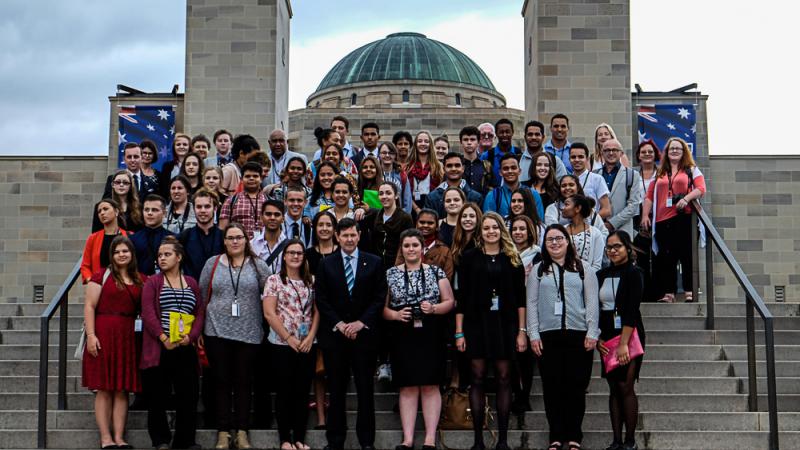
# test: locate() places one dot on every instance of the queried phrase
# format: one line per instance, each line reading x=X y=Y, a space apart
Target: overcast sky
x=59 y=61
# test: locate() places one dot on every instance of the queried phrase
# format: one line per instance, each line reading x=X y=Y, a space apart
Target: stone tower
x=577 y=62
x=237 y=66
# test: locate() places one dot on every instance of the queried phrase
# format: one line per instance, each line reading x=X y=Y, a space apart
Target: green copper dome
x=406 y=56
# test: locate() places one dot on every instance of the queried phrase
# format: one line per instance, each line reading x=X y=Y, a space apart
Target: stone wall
x=436 y=120
x=45 y=220
x=756 y=211
x=580 y=57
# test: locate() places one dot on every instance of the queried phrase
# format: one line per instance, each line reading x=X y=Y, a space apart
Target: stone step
x=720 y=309
x=675 y=322
x=33 y=323
x=528 y=439
x=385 y=401
x=386 y=420
x=35 y=309
x=723 y=337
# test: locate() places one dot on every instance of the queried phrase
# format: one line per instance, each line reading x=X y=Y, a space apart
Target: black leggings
x=232 y=363
x=623 y=405
x=477 y=398
x=674 y=238
x=177 y=370
x=293 y=384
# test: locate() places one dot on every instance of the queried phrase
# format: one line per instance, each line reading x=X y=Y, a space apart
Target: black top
x=446 y=233
x=626 y=301
x=313 y=256
x=383 y=238
x=104 y=248
x=199 y=247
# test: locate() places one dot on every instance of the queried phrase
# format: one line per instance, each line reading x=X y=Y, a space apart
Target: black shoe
x=480 y=446
x=631 y=446
x=125 y=446
x=328 y=447
x=108 y=447
x=616 y=445
x=428 y=447
x=404 y=447
x=368 y=447
x=502 y=446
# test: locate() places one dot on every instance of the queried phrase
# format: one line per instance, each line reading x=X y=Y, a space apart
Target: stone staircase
x=693 y=389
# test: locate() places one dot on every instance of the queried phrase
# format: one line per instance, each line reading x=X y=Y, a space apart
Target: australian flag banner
x=156 y=123
x=661 y=122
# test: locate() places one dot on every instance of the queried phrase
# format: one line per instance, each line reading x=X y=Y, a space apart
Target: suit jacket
x=624 y=206
x=336 y=304
x=358 y=156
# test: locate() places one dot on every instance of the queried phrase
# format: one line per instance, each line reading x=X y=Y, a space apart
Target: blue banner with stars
x=156 y=123
x=661 y=122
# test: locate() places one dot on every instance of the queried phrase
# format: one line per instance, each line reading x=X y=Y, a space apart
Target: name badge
x=180 y=326
x=617 y=321
x=418 y=323
x=302 y=330
x=235 y=309
x=558 y=309
x=137 y=325
x=669 y=202
x=495 y=303
x=417 y=196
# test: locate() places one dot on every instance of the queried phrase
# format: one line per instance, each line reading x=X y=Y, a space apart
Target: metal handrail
x=753 y=302
x=59 y=302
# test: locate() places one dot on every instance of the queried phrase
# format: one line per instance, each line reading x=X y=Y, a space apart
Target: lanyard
x=670 y=179
x=235 y=285
x=252 y=206
x=300 y=297
x=420 y=286
x=181 y=219
x=560 y=286
x=180 y=300
x=587 y=236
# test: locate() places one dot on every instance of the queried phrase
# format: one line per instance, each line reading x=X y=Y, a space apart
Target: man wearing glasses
x=280 y=155
x=625 y=188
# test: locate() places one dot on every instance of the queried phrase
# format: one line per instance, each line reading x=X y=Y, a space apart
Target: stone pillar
x=577 y=62
x=237 y=66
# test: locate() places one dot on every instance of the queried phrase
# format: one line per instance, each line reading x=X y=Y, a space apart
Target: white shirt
x=287 y=228
x=594 y=186
x=263 y=251
x=353 y=262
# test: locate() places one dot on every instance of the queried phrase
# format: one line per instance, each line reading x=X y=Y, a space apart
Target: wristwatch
x=523 y=330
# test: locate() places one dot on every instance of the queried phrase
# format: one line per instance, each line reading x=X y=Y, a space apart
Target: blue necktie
x=348 y=273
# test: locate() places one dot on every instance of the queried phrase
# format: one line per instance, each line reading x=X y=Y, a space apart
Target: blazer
x=626 y=302
x=476 y=293
x=151 y=318
x=336 y=304
x=623 y=206
x=91 y=254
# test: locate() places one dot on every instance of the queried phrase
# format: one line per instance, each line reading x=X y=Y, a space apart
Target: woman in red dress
x=113 y=298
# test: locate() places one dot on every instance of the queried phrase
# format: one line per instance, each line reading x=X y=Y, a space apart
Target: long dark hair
x=529 y=210
x=460 y=240
x=571 y=260
x=315 y=221
x=316 y=190
x=132 y=270
x=625 y=240
x=551 y=187
x=305 y=272
x=373 y=184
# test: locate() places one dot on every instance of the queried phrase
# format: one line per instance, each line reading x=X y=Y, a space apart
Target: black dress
x=417 y=349
x=627 y=280
x=490 y=334
x=313 y=256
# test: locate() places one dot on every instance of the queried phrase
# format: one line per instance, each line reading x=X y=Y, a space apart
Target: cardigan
x=91 y=254
x=151 y=318
x=626 y=301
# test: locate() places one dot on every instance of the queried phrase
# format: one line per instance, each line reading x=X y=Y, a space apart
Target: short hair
x=451 y=155
x=412 y=233
x=252 y=166
x=402 y=135
x=155 y=198
x=200 y=138
x=656 y=151
x=486 y=124
x=220 y=132
x=430 y=212
x=244 y=143
x=147 y=143
x=370 y=125
x=205 y=192
x=261 y=157
x=342 y=180
x=346 y=224
x=130 y=145
x=504 y=121
x=468 y=131
x=534 y=123
x=342 y=119
x=559 y=116
x=291 y=189
x=580 y=145
x=296 y=158
x=275 y=204
x=507 y=156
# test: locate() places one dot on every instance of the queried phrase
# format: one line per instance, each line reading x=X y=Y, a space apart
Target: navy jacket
x=198 y=247
x=146 y=243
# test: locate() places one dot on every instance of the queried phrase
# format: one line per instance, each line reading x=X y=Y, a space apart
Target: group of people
x=249 y=272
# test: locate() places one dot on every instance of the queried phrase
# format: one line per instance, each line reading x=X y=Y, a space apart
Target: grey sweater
x=248 y=327
x=582 y=302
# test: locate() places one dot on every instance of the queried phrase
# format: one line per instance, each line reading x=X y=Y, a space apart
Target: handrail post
x=752 y=382
x=62 y=352
x=772 y=396
x=695 y=257
x=44 y=347
x=709 y=286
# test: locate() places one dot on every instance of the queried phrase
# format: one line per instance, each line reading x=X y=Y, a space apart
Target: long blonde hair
x=437 y=171
x=506 y=244
x=598 y=149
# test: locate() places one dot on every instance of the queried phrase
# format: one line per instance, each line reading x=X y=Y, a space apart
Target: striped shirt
x=175 y=300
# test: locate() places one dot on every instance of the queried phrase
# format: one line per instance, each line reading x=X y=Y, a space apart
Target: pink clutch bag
x=634 y=349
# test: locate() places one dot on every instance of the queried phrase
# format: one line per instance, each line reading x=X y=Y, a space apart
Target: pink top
x=680 y=185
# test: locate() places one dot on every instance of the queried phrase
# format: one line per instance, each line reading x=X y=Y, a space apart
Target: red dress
x=116 y=367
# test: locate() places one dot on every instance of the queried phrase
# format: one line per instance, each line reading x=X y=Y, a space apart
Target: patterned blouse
x=295 y=306
x=411 y=290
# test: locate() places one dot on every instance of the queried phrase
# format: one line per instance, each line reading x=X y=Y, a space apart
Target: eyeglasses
x=676 y=149
x=489 y=135
x=121 y=183
x=294 y=253
x=554 y=240
x=611 y=150
x=614 y=247
x=647 y=152
x=234 y=238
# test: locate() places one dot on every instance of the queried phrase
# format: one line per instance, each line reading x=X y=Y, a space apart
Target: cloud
x=498 y=53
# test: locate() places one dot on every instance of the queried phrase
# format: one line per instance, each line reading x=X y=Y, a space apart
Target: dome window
x=458 y=99
x=406 y=96
x=353 y=99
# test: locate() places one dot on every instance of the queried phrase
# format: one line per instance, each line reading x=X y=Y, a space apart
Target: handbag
x=81 y=348
x=635 y=350
x=456 y=413
x=180 y=325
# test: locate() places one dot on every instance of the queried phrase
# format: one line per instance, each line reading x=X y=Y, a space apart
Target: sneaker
x=385 y=372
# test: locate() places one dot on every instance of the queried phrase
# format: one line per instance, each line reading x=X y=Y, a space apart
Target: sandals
x=286 y=445
x=555 y=445
x=687 y=297
x=574 y=446
x=301 y=446
x=667 y=298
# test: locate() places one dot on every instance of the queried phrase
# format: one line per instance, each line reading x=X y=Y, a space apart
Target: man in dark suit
x=133 y=160
x=351 y=290
x=370 y=136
